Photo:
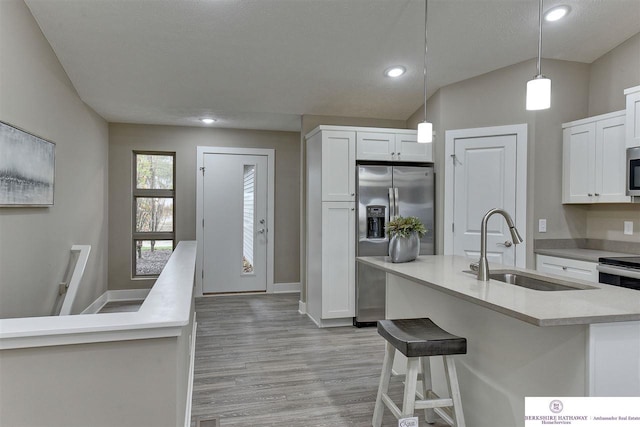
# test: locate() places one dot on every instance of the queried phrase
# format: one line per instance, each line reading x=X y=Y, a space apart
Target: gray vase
x=404 y=249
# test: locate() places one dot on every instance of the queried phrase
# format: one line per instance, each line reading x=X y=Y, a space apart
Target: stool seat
x=420 y=338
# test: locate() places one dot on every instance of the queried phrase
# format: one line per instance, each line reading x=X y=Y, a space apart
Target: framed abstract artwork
x=27 y=168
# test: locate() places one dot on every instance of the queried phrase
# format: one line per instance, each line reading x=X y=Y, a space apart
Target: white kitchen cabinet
x=330 y=222
x=392 y=146
x=633 y=116
x=569 y=268
x=332 y=153
x=594 y=151
x=338 y=260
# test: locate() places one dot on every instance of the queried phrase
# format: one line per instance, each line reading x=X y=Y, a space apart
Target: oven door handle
x=619 y=271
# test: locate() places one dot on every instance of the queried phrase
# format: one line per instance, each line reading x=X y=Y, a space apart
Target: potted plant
x=404 y=238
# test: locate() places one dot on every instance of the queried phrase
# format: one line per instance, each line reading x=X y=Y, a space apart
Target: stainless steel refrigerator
x=386 y=190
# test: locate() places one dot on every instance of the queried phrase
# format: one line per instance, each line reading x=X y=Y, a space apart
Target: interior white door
x=484 y=178
x=235 y=223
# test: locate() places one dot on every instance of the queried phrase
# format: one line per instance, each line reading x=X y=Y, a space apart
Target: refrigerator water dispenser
x=375 y=221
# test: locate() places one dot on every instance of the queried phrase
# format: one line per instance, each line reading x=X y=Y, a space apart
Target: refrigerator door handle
x=396 y=208
x=392 y=204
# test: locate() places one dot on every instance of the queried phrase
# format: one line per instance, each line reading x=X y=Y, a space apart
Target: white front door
x=487 y=170
x=235 y=232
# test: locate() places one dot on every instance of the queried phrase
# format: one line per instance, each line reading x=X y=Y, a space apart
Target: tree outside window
x=153 y=211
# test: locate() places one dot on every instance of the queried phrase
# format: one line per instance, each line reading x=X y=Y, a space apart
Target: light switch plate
x=628 y=227
x=542 y=225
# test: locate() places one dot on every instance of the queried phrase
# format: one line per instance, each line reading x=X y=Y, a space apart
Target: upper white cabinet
x=334 y=154
x=633 y=116
x=594 y=151
x=392 y=146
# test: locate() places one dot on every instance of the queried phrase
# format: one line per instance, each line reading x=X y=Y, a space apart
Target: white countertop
x=581 y=254
x=164 y=312
x=602 y=304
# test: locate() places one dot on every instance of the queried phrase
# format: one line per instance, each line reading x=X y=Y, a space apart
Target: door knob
x=262 y=221
x=261 y=231
x=507 y=244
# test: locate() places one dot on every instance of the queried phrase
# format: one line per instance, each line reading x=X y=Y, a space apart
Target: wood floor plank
x=258 y=362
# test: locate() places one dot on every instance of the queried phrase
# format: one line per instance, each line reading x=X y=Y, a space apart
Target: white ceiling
x=261 y=64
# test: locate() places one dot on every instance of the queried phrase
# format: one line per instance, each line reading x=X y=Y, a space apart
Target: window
x=153 y=211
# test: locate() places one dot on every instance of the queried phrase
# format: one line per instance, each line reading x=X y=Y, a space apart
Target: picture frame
x=27 y=168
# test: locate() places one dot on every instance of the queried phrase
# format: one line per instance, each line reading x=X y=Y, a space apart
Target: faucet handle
x=474 y=266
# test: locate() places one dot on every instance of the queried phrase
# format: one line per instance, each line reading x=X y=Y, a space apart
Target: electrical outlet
x=542 y=225
x=628 y=227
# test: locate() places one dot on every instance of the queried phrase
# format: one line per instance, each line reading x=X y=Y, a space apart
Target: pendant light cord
x=540 y=38
x=426 y=4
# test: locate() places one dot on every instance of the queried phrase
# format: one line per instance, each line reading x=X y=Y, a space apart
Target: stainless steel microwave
x=633 y=171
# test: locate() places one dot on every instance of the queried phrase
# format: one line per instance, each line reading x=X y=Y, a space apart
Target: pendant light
x=539 y=88
x=425 y=129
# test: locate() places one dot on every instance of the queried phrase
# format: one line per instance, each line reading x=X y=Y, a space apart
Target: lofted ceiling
x=261 y=64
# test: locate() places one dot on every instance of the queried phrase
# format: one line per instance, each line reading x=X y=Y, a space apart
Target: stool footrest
x=446 y=414
x=391 y=405
x=435 y=403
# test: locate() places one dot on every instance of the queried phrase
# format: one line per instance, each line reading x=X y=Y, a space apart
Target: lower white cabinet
x=338 y=260
x=331 y=264
x=569 y=268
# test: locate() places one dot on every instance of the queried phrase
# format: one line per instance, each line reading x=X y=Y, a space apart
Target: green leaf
x=404 y=226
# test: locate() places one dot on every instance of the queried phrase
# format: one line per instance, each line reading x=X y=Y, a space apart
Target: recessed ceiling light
x=207 y=121
x=556 y=13
x=395 y=71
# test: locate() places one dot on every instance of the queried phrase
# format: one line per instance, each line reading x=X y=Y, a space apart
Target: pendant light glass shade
x=539 y=88
x=425 y=132
x=425 y=129
x=539 y=93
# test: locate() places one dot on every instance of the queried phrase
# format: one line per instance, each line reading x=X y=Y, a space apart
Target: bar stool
x=419 y=339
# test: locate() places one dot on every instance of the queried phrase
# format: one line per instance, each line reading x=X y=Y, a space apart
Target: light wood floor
x=260 y=363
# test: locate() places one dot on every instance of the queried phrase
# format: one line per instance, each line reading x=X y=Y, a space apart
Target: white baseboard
x=281 y=288
x=302 y=307
x=332 y=323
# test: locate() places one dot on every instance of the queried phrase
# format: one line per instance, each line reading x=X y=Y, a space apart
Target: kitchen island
x=521 y=342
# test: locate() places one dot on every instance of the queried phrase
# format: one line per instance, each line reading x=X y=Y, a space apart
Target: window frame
x=148 y=193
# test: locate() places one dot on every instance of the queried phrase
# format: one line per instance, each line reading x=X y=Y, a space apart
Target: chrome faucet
x=482 y=266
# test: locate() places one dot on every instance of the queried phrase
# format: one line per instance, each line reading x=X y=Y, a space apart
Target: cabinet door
x=338 y=259
x=578 y=163
x=633 y=119
x=610 y=157
x=338 y=166
x=375 y=146
x=409 y=150
x=570 y=268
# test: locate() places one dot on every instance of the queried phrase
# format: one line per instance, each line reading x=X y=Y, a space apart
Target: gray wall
x=611 y=74
x=498 y=98
x=36 y=95
x=124 y=138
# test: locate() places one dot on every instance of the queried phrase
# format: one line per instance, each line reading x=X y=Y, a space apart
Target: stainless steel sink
x=534 y=281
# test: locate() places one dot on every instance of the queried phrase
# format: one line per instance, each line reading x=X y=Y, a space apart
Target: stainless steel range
x=620 y=271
